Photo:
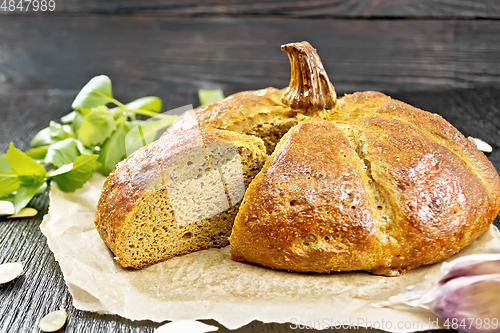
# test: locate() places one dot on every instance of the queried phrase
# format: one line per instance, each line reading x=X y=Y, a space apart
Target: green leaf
x=37 y=153
x=42 y=189
x=42 y=138
x=68 y=129
x=113 y=150
x=22 y=164
x=85 y=112
x=49 y=135
x=25 y=193
x=83 y=150
x=59 y=132
x=150 y=103
x=10 y=198
x=30 y=176
x=96 y=127
x=69 y=118
x=62 y=152
x=9 y=185
x=9 y=182
x=31 y=180
x=72 y=176
x=209 y=96
x=96 y=92
x=5 y=167
x=77 y=122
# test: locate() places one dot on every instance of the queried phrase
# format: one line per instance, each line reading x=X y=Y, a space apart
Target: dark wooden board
x=157 y=55
x=314 y=8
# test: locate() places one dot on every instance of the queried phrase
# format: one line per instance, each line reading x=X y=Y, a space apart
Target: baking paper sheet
x=209 y=285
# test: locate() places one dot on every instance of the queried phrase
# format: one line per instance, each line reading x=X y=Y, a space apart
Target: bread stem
x=310 y=89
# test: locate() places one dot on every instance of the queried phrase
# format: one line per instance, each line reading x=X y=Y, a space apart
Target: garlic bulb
x=476 y=264
x=465 y=296
x=470 y=302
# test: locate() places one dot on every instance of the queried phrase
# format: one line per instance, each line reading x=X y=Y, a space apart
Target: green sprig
x=93 y=137
x=89 y=139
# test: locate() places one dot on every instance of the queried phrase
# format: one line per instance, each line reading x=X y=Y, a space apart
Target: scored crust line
x=379 y=196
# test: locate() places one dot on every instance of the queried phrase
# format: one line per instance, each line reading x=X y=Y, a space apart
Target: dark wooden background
x=439 y=55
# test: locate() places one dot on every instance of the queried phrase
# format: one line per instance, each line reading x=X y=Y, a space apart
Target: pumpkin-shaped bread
x=363 y=182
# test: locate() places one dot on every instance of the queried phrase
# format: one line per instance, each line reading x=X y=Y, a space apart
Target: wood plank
x=155 y=55
x=314 y=8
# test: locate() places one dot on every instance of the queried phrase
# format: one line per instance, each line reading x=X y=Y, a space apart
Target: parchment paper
x=209 y=285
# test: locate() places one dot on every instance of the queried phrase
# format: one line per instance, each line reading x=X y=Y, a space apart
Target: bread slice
x=177 y=195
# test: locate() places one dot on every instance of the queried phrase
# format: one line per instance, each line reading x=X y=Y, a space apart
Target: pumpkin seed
x=6 y=208
x=54 y=321
x=25 y=212
x=10 y=271
x=481 y=145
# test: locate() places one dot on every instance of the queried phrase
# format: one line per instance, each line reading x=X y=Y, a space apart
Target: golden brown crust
x=309 y=208
x=117 y=200
x=431 y=125
x=422 y=190
x=259 y=113
x=238 y=112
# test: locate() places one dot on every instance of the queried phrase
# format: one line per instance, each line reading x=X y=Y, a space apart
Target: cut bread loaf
x=177 y=195
x=364 y=182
